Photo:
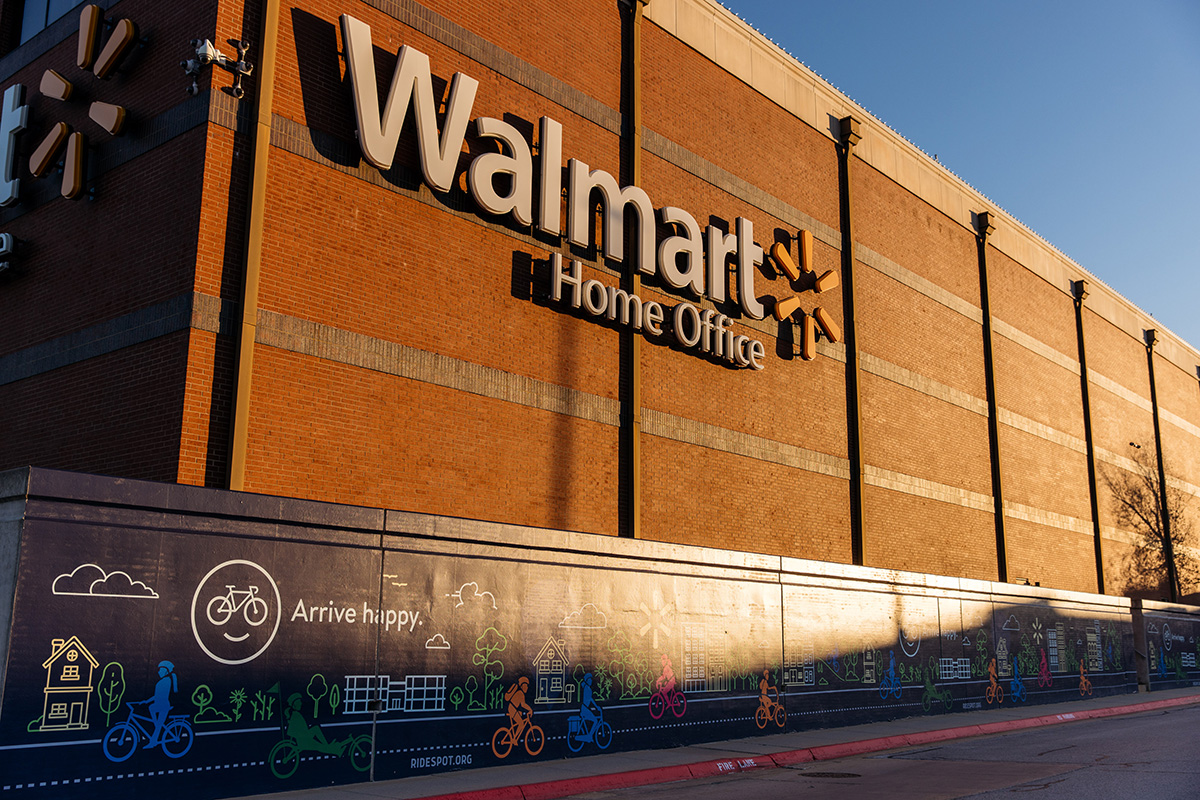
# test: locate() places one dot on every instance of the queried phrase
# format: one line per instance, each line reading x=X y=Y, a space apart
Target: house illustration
x=1003 y=666
x=68 y=685
x=550 y=672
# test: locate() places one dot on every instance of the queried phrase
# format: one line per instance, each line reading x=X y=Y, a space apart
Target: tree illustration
x=1025 y=659
x=111 y=688
x=979 y=667
x=471 y=687
x=237 y=698
x=201 y=698
x=456 y=697
x=1162 y=556
x=490 y=642
x=628 y=672
x=851 y=660
x=335 y=698
x=317 y=688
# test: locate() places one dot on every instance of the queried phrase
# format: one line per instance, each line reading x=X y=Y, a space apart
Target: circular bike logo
x=235 y=612
x=1166 y=634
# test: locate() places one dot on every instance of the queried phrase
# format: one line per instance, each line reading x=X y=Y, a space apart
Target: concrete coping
x=186 y=502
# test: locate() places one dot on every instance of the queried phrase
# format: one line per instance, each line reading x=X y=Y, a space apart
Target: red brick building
x=240 y=298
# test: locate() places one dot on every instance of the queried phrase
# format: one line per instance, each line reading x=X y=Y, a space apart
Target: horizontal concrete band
x=548 y=790
x=206 y=313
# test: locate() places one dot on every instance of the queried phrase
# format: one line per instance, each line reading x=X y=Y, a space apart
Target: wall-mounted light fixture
x=207 y=54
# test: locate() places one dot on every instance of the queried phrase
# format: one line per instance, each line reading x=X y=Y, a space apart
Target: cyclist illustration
x=589 y=724
x=160 y=703
x=1016 y=685
x=520 y=724
x=890 y=683
x=1045 y=679
x=172 y=732
x=995 y=692
x=666 y=681
x=300 y=737
x=222 y=608
x=1085 y=683
x=933 y=693
x=769 y=709
x=666 y=695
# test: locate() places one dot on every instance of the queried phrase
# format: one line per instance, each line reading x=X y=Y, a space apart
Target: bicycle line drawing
x=508 y=736
x=890 y=682
x=1017 y=686
x=254 y=609
x=933 y=693
x=123 y=738
x=520 y=728
x=299 y=738
x=995 y=692
x=588 y=725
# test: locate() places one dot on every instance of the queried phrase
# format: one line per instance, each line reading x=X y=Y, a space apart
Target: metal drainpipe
x=849 y=136
x=254 y=237
x=1164 y=508
x=631 y=389
x=1081 y=293
x=986 y=226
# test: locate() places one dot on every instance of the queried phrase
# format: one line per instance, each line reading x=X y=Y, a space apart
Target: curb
x=708 y=769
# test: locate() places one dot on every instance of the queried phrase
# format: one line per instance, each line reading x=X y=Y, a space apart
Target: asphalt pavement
x=544 y=780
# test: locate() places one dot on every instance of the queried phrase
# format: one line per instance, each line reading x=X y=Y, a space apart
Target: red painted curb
x=793 y=757
x=707 y=769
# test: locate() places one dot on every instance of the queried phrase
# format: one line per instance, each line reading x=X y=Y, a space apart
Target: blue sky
x=1081 y=119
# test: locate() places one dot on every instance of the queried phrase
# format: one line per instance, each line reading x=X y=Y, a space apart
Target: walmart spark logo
x=101 y=62
x=803 y=279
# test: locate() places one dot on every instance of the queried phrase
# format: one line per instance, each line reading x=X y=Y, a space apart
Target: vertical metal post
x=985 y=227
x=1164 y=508
x=631 y=343
x=248 y=328
x=850 y=136
x=1080 y=291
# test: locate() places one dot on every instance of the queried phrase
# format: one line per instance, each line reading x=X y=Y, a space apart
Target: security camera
x=206 y=53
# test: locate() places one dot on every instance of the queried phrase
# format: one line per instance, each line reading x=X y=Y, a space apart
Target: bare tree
x=1163 y=551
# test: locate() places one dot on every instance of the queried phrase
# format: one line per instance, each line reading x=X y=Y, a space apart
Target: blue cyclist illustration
x=160 y=704
x=160 y=728
x=589 y=724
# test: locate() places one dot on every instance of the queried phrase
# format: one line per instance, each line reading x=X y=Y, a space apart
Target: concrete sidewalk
x=544 y=780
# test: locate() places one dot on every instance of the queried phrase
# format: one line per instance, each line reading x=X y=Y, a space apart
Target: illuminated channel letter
x=717 y=247
x=378 y=136
x=550 y=137
x=14 y=114
x=581 y=180
x=518 y=166
x=750 y=256
x=688 y=245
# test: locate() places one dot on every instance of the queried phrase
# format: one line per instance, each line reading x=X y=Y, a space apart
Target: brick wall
x=408 y=356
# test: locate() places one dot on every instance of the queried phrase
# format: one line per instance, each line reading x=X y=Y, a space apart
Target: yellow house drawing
x=68 y=685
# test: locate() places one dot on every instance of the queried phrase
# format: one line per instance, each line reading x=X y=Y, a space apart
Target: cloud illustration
x=438 y=642
x=1151 y=628
x=1011 y=623
x=91 y=580
x=586 y=617
x=469 y=593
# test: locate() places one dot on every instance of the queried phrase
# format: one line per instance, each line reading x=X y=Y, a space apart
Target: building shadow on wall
x=325 y=90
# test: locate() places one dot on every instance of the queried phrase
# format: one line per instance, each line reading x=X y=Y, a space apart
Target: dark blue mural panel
x=232 y=661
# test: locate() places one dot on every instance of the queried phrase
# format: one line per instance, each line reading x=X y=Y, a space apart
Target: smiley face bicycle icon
x=222 y=607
